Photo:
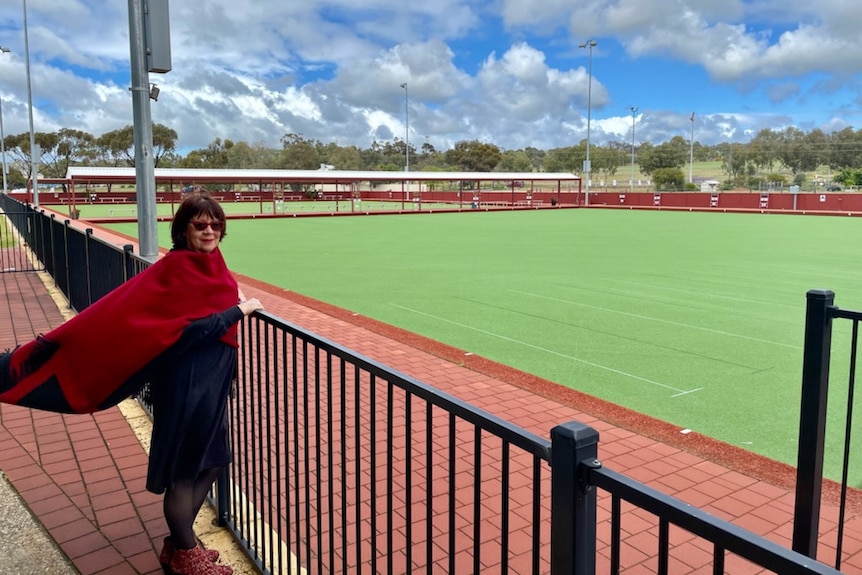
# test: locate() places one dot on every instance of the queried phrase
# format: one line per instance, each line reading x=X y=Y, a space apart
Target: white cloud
x=508 y=72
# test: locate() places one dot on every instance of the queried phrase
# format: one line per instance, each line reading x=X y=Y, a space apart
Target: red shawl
x=85 y=364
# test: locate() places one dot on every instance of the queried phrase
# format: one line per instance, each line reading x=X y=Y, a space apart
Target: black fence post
x=812 y=420
x=128 y=250
x=88 y=237
x=66 y=226
x=574 y=451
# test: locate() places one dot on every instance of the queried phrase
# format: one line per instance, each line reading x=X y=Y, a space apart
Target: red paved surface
x=83 y=475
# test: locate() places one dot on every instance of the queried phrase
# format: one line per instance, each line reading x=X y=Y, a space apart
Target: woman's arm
x=209 y=329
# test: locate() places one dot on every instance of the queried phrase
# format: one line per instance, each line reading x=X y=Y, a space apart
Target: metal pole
x=3 y=50
x=34 y=153
x=587 y=168
x=3 y=146
x=406 y=134
x=691 y=153
x=145 y=179
x=632 y=181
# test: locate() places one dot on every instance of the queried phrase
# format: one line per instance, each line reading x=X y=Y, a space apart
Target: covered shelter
x=85 y=184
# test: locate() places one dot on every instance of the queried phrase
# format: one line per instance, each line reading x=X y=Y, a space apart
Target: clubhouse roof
x=83 y=175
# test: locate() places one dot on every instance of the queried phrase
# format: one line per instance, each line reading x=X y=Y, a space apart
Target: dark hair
x=199 y=203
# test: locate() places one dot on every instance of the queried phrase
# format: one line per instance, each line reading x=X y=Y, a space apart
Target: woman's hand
x=250 y=305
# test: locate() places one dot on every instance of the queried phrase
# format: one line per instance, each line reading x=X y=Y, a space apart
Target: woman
x=173 y=325
x=189 y=389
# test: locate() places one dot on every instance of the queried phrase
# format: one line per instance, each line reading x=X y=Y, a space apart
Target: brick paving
x=83 y=476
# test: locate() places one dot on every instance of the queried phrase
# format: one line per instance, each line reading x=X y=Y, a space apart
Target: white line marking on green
x=659 y=320
x=679 y=392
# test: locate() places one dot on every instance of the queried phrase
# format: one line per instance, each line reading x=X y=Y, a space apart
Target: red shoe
x=195 y=561
x=168 y=551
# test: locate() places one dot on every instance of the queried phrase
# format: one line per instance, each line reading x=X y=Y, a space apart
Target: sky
x=508 y=72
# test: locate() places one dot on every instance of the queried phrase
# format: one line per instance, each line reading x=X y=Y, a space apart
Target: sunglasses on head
x=201 y=226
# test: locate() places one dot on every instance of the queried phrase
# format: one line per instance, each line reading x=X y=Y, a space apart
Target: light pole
x=34 y=152
x=3 y=50
x=691 y=153
x=634 y=110
x=406 y=135
x=590 y=44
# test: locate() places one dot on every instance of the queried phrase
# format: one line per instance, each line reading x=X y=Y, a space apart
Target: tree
x=430 y=159
x=474 y=156
x=849 y=177
x=537 y=157
x=18 y=146
x=298 y=153
x=515 y=161
x=346 y=158
x=214 y=156
x=845 y=149
x=242 y=156
x=72 y=147
x=668 y=179
x=117 y=147
x=736 y=160
x=795 y=153
x=164 y=142
x=666 y=155
x=605 y=161
x=560 y=160
x=764 y=149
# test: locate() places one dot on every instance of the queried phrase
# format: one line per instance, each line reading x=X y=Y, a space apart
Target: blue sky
x=504 y=71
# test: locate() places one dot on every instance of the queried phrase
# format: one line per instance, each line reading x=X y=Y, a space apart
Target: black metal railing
x=820 y=313
x=345 y=465
x=17 y=243
x=342 y=464
x=733 y=549
x=83 y=266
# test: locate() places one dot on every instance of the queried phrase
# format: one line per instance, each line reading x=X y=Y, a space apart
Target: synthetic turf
x=693 y=318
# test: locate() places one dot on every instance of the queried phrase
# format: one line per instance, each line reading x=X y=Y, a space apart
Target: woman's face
x=203 y=233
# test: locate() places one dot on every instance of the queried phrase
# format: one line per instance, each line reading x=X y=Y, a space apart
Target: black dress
x=189 y=392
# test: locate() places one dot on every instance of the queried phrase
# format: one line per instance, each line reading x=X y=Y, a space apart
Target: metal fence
x=347 y=466
x=17 y=247
x=817 y=355
x=343 y=465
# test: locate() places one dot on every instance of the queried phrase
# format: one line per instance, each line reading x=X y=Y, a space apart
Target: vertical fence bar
x=848 y=436
x=573 y=500
x=223 y=497
x=812 y=420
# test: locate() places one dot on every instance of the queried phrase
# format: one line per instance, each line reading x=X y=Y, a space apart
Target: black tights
x=182 y=502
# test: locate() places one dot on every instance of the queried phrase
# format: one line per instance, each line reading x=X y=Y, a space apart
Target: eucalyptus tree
x=57 y=150
x=474 y=156
x=515 y=161
x=794 y=151
x=666 y=155
x=298 y=153
x=117 y=147
x=765 y=148
x=845 y=149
